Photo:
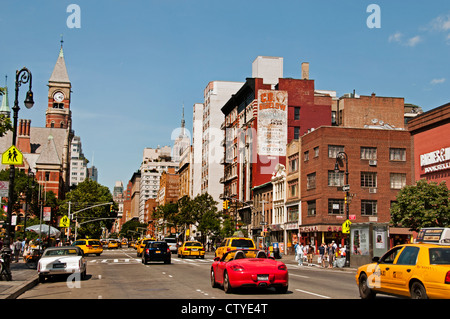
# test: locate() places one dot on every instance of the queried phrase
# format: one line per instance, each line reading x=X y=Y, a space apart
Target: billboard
x=272 y=122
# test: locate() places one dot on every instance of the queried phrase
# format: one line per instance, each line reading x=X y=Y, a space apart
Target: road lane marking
x=298 y=276
x=311 y=293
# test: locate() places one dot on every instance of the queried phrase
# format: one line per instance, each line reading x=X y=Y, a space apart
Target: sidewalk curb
x=14 y=292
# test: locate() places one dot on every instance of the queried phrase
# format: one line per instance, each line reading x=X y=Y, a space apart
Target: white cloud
x=437 y=81
x=441 y=23
x=398 y=38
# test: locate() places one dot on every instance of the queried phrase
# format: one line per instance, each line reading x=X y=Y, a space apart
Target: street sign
x=346 y=227
x=12 y=156
x=4 y=189
x=64 y=222
x=346 y=188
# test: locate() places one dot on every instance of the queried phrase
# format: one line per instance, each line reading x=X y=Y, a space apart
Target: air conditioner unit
x=372 y=190
x=373 y=163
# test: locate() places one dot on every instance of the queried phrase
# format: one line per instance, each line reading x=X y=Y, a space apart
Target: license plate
x=194 y=249
x=157 y=252
x=59 y=265
x=263 y=277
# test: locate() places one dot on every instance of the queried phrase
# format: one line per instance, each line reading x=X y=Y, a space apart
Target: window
x=408 y=256
x=296 y=113
x=335 y=179
x=368 y=153
x=306 y=156
x=336 y=206
x=397 y=154
x=311 y=181
x=292 y=214
x=311 y=208
x=293 y=188
x=316 y=151
x=368 y=207
x=333 y=150
x=296 y=133
x=398 y=180
x=293 y=163
x=368 y=179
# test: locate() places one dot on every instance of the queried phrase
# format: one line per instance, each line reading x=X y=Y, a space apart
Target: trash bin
x=340 y=262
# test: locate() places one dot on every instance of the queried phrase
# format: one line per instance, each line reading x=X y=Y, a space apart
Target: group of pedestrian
x=327 y=254
x=304 y=253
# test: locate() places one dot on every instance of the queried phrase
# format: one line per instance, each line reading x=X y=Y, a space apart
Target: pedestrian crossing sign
x=64 y=222
x=346 y=227
x=12 y=156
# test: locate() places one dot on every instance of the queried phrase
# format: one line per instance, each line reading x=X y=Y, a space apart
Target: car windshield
x=79 y=242
x=61 y=252
x=244 y=254
x=244 y=243
x=170 y=240
x=94 y=242
x=440 y=256
x=194 y=244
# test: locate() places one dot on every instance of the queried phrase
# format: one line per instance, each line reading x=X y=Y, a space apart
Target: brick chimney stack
x=23 y=138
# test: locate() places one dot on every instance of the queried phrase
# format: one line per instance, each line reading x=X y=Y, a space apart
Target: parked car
x=248 y=268
x=156 y=251
x=56 y=261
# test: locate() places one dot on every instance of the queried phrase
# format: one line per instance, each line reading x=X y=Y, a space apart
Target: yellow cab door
x=383 y=276
x=403 y=269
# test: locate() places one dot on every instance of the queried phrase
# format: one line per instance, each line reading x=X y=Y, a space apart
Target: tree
x=130 y=228
x=422 y=205
x=86 y=194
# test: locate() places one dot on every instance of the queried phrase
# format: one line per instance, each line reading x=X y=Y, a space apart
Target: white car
x=172 y=242
x=61 y=261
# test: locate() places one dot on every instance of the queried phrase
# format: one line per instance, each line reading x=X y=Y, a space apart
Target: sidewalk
x=23 y=278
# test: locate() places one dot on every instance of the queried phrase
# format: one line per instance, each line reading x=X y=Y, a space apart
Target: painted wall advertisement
x=272 y=122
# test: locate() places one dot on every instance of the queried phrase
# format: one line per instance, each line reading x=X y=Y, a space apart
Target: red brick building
x=430 y=132
x=379 y=165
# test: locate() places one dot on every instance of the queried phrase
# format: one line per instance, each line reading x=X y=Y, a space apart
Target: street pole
x=22 y=77
x=343 y=156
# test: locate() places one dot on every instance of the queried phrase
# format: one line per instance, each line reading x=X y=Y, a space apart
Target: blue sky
x=133 y=64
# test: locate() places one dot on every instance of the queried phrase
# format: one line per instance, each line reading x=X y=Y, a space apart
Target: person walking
x=17 y=248
x=322 y=255
x=299 y=252
x=330 y=255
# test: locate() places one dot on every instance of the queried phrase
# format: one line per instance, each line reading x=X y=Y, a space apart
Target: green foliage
x=130 y=229
x=5 y=124
x=86 y=194
x=422 y=205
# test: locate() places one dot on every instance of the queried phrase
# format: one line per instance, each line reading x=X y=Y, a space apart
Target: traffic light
x=111 y=208
x=226 y=204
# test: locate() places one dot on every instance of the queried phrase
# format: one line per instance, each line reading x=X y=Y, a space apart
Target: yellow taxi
x=89 y=246
x=233 y=243
x=140 y=245
x=419 y=271
x=113 y=244
x=191 y=248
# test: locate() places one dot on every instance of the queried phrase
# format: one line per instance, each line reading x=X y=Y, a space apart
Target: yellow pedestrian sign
x=64 y=222
x=346 y=227
x=12 y=156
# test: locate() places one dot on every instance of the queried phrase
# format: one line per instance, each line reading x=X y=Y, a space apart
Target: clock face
x=58 y=96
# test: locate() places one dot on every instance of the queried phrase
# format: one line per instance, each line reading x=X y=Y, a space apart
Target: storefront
x=315 y=235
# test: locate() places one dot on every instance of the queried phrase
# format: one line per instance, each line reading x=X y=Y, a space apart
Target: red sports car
x=248 y=268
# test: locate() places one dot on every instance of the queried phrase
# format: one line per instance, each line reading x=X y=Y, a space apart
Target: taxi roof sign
x=434 y=235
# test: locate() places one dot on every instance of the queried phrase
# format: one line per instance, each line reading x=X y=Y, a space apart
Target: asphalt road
x=119 y=274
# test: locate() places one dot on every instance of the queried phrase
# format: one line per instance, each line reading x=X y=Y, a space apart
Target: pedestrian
x=322 y=255
x=330 y=255
x=299 y=252
x=310 y=255
x=17 y=247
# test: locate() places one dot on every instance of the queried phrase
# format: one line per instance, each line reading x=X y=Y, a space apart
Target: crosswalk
x=131 y=261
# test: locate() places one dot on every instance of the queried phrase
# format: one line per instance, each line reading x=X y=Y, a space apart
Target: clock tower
x=58 y=113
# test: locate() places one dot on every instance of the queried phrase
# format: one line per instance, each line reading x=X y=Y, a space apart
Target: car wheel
x=281 y=290
x=364 y=291
x=83 y=275
x=213 y=279
x=418 y=291
x=226 y=283
x=41 y=279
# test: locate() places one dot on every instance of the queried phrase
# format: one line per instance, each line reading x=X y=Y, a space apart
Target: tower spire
x=183 y=122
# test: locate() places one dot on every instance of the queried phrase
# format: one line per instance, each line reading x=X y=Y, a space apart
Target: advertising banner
x=272 y=122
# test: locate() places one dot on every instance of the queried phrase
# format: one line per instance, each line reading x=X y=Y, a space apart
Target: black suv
x=156 y=251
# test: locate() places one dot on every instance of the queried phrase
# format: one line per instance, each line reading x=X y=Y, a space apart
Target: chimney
x=305 y=71
x=23 y=138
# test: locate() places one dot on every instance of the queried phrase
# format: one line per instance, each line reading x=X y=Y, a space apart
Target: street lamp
x=342 y=156
x=22 y=77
